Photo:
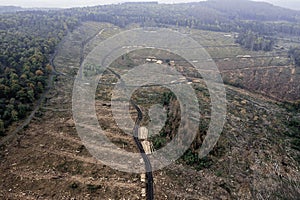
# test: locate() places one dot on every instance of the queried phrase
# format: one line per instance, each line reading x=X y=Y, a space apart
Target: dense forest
x=28 y=38
x=27 y=41
x=215 y=15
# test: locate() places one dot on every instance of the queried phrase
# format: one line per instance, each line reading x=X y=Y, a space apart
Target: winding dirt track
x=150 y=193
x=148 y=167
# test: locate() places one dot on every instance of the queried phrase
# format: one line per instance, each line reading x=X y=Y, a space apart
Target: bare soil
x=47 y=160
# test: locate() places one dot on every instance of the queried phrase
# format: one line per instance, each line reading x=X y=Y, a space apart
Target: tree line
x=27 y=41
x=28 y=38
x=214 y=15
x=255 y=42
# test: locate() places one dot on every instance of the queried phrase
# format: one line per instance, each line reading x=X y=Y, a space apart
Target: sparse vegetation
x=257 y=155
x=254 y=42
x=294 y=53
x=293 y=133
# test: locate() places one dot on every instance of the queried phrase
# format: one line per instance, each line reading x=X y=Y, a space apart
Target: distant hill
x=291 y=4
x=5 y=9
x=215 y=15
x=10 y=9
x=252 y=10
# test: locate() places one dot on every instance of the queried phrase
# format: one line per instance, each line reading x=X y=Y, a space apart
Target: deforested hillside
x=255 y=47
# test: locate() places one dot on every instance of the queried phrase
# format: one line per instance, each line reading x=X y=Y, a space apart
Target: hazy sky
x=76 y=3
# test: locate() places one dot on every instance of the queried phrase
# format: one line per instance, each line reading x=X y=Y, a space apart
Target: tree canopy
x=29 y=37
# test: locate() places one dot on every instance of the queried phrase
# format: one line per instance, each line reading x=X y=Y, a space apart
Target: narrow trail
x=50 y=149
x=149 y=175
x=148 y=166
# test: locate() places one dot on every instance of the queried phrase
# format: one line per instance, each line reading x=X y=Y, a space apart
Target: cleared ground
x=252 y=158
